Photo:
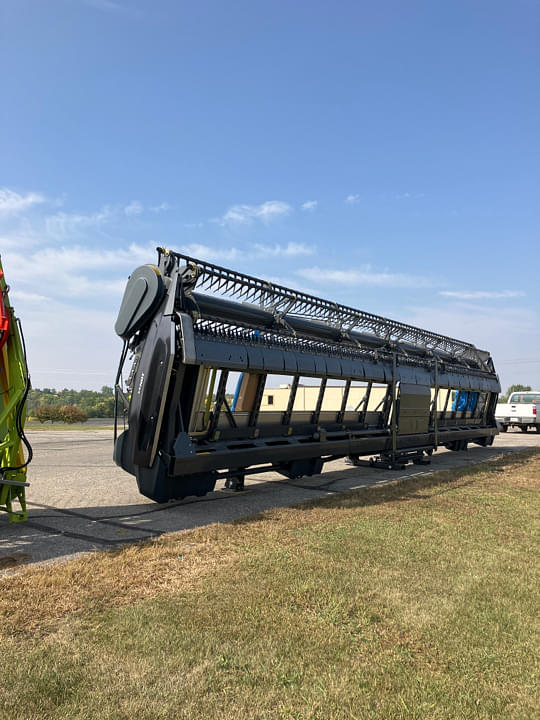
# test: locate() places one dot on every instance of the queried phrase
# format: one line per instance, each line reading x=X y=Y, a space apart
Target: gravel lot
x=79 y=500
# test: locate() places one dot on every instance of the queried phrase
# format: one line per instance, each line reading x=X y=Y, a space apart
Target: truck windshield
x=524 y=398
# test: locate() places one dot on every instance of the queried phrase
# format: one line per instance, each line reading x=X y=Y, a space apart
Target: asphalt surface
x=80 y=501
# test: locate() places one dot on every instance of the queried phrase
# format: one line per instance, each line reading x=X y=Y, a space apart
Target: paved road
x=79 y=500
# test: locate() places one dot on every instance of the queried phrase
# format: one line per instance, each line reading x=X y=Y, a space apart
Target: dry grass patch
x=36 y=598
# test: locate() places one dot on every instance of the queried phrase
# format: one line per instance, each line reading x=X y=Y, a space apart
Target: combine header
x=15 y=385
x=191 y=325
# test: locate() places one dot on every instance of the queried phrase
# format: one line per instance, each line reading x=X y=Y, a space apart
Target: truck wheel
x=537 y=428
x=504 y=428
x=524 y=428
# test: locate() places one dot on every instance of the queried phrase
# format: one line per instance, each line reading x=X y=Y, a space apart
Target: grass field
x=413 y=600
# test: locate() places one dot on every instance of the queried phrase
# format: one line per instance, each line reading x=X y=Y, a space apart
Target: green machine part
x=14 y=388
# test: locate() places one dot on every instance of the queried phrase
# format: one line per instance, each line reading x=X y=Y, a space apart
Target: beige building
x=276 y=398
x=306 y=397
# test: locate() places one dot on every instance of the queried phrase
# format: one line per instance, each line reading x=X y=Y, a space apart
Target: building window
x=270 y=399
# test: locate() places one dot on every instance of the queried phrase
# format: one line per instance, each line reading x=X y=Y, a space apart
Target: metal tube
x=316 y=414
x=254 y=414
x=394 y=407
x=292 y=395
x=344 y=399
x=435 y=401
x=228 y=311
x=209 y=396
x=237 y=392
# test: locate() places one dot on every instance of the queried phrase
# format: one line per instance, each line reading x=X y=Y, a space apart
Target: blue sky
x=385 y=155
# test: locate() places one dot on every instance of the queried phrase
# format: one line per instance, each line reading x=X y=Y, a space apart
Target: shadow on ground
x=52 y=533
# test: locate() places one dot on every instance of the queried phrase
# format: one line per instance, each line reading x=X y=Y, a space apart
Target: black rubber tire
x=524 y=428
x=537 y=428
x=504 y=428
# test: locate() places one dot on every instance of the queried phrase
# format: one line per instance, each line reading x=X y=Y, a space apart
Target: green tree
x=104 y=408
x=46 y=413
x=513 y=389
x=94 y=403
x=73 y=414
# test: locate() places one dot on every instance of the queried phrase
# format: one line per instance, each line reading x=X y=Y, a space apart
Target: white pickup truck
x=522 y=410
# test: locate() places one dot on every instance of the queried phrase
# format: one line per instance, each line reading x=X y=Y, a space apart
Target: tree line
x=513 y=389
x=70 y=406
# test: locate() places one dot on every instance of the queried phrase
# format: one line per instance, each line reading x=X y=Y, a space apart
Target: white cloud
x=352 y=199
x=310 y=205
x=17 y=295
x=409 y=196
x=63 y=226
x=21 y=238
x=213 y=254
x=162 y=207
x=134 y=208
x=246 y=214
x=364 y=275
x=481 y=294
x=11 y=203
x=81 y=271
x=289 y=250
x=112 y=6
x=71 y=269
x=103 y=4
x=205 y=252
x=60 y=201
